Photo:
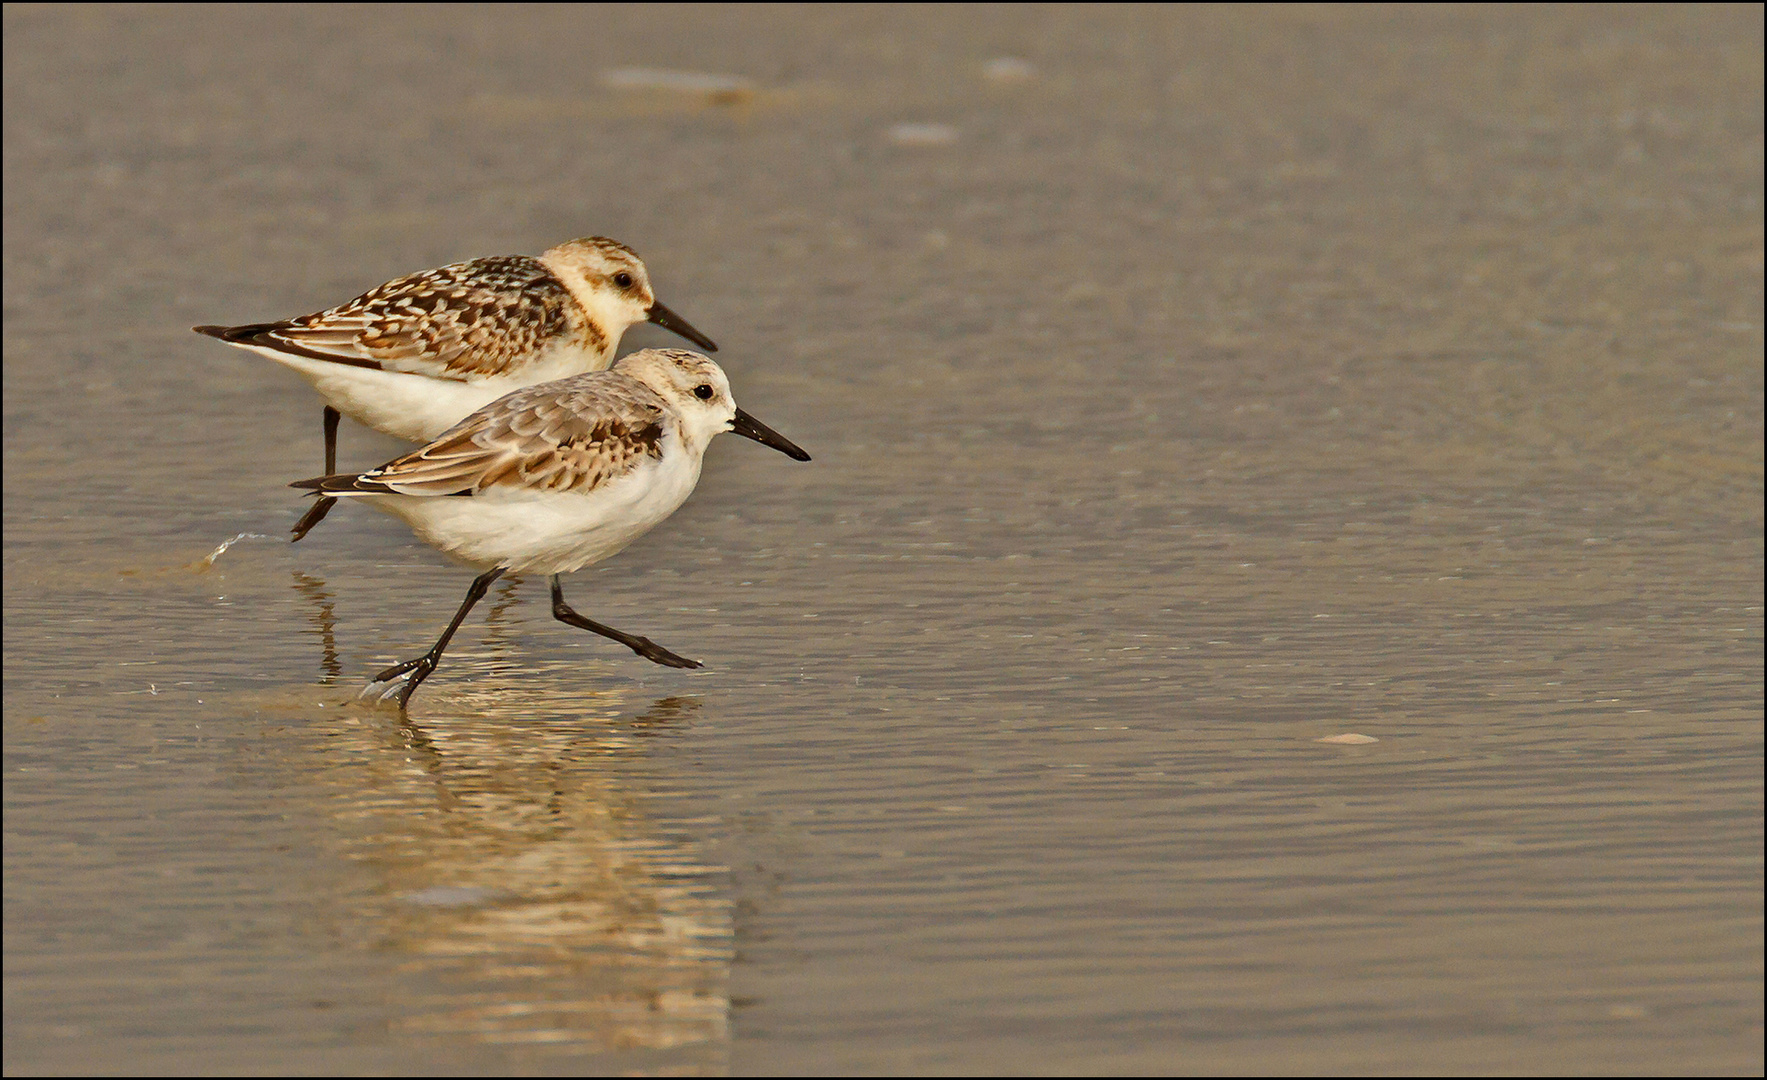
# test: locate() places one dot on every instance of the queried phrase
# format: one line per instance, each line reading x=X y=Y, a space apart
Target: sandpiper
x=415 y=355
x=555 y=477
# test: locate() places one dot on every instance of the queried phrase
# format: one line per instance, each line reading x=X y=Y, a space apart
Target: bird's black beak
x=668 y=320
x=750 y=428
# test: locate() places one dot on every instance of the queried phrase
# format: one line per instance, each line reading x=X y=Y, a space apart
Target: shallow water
x=1217 y=382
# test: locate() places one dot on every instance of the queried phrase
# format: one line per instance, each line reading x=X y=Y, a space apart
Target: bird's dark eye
x=703 y=392
x=623 y=280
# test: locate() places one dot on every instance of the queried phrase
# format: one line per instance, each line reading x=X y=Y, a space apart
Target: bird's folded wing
x=535 y=440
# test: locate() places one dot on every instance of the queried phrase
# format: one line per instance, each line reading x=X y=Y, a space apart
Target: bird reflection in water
x=322 y=615
x=324 y=619
x=521 y=867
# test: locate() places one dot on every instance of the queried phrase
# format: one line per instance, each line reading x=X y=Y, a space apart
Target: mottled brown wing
x=473 y=318
x=540 y=439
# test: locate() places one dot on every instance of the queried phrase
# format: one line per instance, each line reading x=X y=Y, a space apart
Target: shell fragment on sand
x=719 y=88
x=1008 y=69
x=923 y=134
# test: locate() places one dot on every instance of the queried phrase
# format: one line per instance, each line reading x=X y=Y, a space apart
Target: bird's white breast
x=421 y=407
x=549 y=532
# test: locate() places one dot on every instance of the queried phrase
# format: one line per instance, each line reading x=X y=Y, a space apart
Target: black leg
x=643 y=646
x=323 y=504
x=426 y=663
x=314 y=515
x=332 y=416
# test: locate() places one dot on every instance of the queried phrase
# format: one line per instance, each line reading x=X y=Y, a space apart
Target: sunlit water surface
x=1185 y=387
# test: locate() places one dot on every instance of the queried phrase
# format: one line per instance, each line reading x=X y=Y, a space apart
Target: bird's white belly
x=547 y=532
x=421 y=407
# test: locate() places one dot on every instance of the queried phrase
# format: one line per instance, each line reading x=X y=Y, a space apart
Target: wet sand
x=1185 y=387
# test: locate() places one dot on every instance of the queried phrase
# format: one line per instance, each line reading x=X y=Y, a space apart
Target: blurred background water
x=1186 y=386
